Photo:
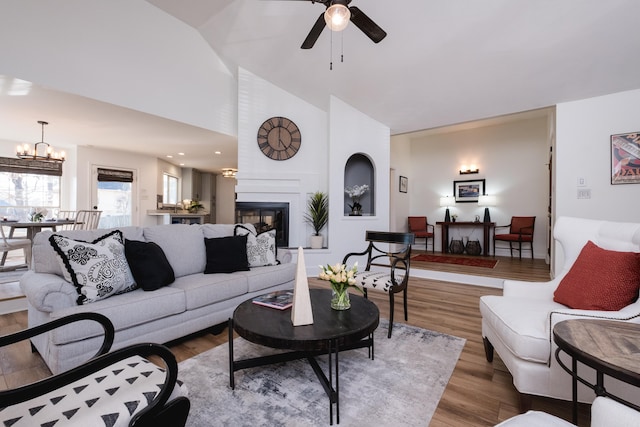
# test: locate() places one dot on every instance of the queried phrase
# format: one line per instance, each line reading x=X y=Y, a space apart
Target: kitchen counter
x=168 y=216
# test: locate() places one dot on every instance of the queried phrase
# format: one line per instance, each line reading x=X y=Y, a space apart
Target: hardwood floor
x=478 y=394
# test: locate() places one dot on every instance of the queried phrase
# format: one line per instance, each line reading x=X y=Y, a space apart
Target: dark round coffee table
x=331 y=332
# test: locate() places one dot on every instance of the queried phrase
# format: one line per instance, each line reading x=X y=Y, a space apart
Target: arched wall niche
x=359 y=171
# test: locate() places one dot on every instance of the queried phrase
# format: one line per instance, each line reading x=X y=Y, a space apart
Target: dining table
x=34 y=227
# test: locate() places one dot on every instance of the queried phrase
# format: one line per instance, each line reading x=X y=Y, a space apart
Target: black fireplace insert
x=266 y=216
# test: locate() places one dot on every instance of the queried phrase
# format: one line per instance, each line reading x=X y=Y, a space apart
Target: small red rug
x=444 y=259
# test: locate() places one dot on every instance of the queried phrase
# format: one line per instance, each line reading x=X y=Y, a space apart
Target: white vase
x=316 y=242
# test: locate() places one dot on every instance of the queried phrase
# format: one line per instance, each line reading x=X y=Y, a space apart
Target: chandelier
x=41 y=150
x=229 y=172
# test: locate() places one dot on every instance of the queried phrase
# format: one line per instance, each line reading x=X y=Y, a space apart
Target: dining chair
x=70 y=215
x=520 y=230
x=419 y=226
x=87 y=220
x=11 y=244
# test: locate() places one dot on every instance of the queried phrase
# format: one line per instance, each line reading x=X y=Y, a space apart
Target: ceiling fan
x=336 y=16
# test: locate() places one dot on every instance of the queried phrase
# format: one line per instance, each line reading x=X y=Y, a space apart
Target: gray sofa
x=193 y=302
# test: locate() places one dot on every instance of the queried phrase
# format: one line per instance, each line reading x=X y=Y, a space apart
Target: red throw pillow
x=600 y=280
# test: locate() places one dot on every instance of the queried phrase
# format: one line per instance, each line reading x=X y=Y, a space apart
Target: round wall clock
x=279 y=138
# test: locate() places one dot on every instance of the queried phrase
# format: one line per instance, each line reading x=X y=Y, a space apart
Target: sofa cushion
x=223 y=230
x=45 y=258
x=527 y=337
x=182 y=244
x=97 y=269
x=149 y=265
x=226 y=254
x=600 y=279
x=125 y=311
x=260 y=278
x=261 y=248
x=204 y=289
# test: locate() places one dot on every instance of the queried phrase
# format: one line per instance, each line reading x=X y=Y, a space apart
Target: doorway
x=112 y=194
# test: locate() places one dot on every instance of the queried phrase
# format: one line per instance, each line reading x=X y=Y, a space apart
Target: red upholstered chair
x=419 y=226
x=520 y=230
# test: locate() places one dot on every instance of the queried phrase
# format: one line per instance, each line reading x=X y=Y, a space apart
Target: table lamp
x=446 y=202
x=487 y=201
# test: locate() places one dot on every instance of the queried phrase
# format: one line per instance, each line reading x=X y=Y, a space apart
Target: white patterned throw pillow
x=261 y=248
x=97 y=269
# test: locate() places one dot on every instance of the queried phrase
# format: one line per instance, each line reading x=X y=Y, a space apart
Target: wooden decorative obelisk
x=301 y=313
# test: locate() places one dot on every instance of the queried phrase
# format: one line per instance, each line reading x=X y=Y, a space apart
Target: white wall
x=583 y=150
x=225 y=200
x=125 y=52
x=584 y=129
x=261 y=179
x=336 y=136
x=512 y=158
x=353 y=132
x=400 y=203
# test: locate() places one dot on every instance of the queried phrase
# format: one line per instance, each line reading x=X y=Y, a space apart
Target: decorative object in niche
x=468 y=191
x=356 y=192
x=625 y=158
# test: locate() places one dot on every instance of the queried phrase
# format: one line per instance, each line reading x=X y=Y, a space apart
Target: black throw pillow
x=149 y=265
x=226 y=254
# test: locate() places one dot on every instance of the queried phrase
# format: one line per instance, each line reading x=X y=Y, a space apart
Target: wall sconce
x=487 y=201
x=446 y=202
x=464 y=170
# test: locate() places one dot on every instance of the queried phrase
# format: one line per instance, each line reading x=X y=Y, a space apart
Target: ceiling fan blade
x=366 y=25
x=314 y=33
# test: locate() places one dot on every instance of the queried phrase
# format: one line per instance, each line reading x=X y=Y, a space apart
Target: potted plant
x=194 y=206
x=317 y=216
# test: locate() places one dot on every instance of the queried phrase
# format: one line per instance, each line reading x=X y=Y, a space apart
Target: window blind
x=114 y=175
x=38 y=167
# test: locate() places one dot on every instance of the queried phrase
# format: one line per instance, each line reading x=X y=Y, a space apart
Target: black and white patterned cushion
x=106 y=398
x=376 y=280
x=261 y=248
x=97 y=269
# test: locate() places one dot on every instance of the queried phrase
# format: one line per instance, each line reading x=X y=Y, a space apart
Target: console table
x=609 y=347
x=486 y=226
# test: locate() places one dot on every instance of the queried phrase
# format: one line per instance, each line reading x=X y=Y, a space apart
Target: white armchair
x=518 y=325
x=604 y=413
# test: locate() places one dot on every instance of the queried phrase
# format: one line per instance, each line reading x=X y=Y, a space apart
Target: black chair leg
x=391 y=306
x=488 y=349
x=406 y=316
x=520 y=250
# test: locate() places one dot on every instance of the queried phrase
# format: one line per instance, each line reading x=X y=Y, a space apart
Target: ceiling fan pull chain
x=331 y=51
x=341 y=46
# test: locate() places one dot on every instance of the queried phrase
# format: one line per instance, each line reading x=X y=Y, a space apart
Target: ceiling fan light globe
x=337 y=17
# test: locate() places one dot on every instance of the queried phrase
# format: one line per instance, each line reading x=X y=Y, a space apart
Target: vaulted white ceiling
x=442 y=63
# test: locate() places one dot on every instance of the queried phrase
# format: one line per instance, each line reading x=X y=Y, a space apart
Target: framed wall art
x=625 y=158
x=404 y=183
x=468 y=191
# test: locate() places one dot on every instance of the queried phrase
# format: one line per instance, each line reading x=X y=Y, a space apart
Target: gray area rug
x=401 y=387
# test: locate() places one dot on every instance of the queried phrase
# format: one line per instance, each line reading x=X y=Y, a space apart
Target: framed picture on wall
x=404 y=183
x=625 y=158
x=468 y=191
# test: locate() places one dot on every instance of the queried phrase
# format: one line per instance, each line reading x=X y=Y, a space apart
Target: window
x=23 y=186
x=169 y=189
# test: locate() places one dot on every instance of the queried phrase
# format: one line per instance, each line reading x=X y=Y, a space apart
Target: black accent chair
x=157 y=409
x=393 y=277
